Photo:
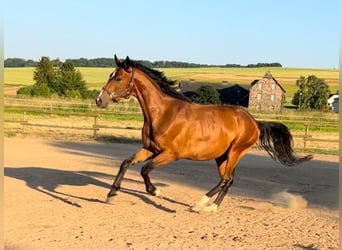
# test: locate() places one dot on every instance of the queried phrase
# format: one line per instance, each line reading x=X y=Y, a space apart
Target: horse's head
x=119 y=84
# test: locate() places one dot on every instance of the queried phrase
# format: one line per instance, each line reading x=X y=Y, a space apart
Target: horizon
x=209 y=65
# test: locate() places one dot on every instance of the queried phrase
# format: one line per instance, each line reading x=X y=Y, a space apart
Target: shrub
x=90 y=94
x=27 y=90
x=206 y=95
x=41 y=90
x=73 y=94
x=57 y=87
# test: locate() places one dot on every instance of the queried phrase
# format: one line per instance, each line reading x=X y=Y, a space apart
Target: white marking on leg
x=157 y=192
x=211 y=208
x=202 y=203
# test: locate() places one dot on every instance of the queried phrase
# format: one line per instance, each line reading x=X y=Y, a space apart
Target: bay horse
x=176 y=128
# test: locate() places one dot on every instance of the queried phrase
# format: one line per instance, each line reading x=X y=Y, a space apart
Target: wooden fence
x=95 y=127
x=88 y=109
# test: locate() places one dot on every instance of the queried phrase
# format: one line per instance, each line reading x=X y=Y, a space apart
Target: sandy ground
x=55 y=193
x=11 y=90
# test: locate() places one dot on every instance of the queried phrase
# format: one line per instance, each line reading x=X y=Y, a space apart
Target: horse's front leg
x=142 y=155
x=160 y=160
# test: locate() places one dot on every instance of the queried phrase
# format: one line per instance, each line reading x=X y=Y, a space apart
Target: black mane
x=159 y=77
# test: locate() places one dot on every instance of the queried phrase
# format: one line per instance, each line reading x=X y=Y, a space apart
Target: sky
x=295 y=33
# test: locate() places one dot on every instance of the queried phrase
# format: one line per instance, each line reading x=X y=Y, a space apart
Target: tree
x=44 y=72
x=206 y=95
x=312 y=93
x=71 y=79
x=63 y=80
x=68 y=82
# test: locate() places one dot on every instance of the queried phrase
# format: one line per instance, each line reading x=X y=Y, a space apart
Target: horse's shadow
x=47 y=181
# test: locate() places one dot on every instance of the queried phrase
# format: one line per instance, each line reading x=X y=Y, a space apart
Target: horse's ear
x=126 y=63
x=117 y=60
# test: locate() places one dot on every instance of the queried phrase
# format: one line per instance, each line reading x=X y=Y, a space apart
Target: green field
x=96 y=77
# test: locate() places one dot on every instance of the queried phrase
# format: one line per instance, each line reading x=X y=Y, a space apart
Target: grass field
x=96 y=77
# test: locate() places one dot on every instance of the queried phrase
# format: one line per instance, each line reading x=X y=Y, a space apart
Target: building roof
x=268 y=75
x=186 y=86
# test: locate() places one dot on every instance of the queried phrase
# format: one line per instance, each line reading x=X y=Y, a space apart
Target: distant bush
x=90 y=94
x=35 y=90
x=27 y=90
x=56 y=87
x=73 y=94
x=64 y=81
x=206 y=95
x=41 y=90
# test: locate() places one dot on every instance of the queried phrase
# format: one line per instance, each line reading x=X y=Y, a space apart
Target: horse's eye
x=118 y=79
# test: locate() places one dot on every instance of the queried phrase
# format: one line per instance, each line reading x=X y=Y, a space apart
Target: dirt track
x=55 y=192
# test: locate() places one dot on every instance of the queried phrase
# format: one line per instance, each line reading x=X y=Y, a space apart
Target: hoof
x=154 y=192
x=212 y=208
x=110 y=200
x=112 y=192
x=157 y=192
x=201 y=204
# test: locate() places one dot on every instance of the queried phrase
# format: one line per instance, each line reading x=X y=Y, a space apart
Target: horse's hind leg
x=226 y=167
x=142 y=155
x=227 y=175
x=224 y=186
x=221 y=163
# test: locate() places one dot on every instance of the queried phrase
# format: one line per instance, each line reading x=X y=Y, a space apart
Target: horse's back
x=207 y=131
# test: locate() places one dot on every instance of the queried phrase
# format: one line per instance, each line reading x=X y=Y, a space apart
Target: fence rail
x=70 y=106
x=81 y=108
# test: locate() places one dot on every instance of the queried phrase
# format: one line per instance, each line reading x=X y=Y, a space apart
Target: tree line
x=109 y=62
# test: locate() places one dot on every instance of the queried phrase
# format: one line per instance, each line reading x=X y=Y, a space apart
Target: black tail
x=277 y=140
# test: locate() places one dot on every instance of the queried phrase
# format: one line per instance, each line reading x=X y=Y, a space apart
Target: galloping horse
x=176 y=128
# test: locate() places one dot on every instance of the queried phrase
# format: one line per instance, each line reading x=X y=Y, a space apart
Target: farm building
x=263 y=94
x=266 y=94
x=233 y=94
x=188 y=88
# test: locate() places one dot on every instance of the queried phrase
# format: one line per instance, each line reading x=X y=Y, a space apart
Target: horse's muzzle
x=100 y=103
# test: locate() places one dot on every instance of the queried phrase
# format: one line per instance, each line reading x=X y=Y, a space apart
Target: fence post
x=24 y=120
x=306 y=134
x=95 y=126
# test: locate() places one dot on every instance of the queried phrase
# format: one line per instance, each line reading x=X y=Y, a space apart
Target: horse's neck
x=151 y=98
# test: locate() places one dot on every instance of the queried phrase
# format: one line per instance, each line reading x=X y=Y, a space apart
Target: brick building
x=266 y=94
